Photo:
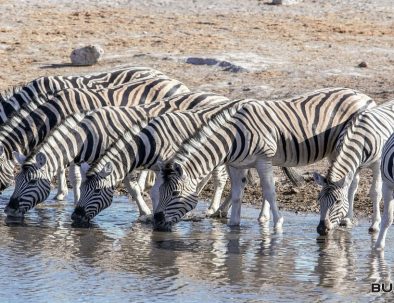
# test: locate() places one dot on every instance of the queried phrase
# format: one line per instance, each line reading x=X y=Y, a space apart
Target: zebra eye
x=97 y=190
x=176 y=193
x=337 y=202
x=32 y=182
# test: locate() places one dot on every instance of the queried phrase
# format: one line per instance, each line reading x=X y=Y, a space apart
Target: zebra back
x=363 y=141
x=28 y=128
x=12 y=100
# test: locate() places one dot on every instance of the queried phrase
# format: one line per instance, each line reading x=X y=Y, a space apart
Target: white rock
x=87 y=55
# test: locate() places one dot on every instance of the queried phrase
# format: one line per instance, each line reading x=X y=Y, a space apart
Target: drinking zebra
x=144 y=148
x=18 y=97
x=362 y=146
x=387 y=169
x=260 y=135
x=84 y=138
x=29 y=127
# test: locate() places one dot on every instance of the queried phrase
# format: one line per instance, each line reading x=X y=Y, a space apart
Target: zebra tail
x=293 y=176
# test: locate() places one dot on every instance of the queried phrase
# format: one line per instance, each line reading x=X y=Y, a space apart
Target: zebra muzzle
x=79 y=217
x=160 y=223
x=322 y=228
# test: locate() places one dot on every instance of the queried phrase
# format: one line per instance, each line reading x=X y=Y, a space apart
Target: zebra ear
x=178 y=170
x=345 y=181
x=19 y=158
x=107 y=170
x=319 y=179
x=41 y=160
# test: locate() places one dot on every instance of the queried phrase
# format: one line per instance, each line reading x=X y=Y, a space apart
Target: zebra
x=260 y=135
x=82 y=138
x=146 y=149
x=362 y=146
x=28 y=128
x=387 y=169
x=13 y=100
x=18 y=97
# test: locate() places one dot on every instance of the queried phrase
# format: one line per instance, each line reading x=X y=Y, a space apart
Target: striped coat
x=260 y=135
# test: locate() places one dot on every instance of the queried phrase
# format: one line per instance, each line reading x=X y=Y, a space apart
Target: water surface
x=118 y=260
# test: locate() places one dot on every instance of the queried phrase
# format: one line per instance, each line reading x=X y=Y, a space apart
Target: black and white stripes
x=258 y=134
x=361 y=147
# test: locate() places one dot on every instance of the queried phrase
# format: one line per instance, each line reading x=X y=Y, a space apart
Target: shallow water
x=46 y=260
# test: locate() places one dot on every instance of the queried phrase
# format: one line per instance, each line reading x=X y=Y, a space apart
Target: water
x=46 y=260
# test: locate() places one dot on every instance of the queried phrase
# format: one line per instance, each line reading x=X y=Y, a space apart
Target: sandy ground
x=286 y=50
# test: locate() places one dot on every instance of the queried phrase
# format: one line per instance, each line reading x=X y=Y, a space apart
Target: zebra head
x=333 y=200
x=32 y=186
x=97 y=192
x=177 y=196
x=6 y=170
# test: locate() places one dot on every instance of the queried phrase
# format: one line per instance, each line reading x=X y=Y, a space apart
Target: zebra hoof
x=219 y=214
x=146 y=219
x=379 y=247
x=279 y=224
x=346 y=222
x=263 y=220
x=60 y=196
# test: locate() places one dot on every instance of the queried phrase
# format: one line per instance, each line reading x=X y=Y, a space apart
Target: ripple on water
x=117 y=259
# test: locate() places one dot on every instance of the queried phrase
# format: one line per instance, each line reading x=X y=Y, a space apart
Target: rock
x=87 y=55
x=226 y=65
x=285 y=2
x=363 y=64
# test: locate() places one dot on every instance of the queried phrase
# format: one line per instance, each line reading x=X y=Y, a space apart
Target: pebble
x=87 y=55
x=363 y=64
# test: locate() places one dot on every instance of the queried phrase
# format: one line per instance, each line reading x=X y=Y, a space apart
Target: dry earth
x=286 y=50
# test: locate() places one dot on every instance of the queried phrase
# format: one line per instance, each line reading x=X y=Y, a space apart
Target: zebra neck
x=342 y=168
x=201 y=162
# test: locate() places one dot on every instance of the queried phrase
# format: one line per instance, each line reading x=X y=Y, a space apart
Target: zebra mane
x=70 y=123
x=115 y=148
x=194 y=143
x=9 y=92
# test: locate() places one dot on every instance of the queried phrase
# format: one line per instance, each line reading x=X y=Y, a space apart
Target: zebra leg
x=264 y=217
x=375 y=193
x=154 y=192
x=387 y=216
x=74 y=173
x=265 y=170
x=150 y=180
x=142 y=179
x=62 y=189
x=347 y=221
x=238 y=183
x=223 y=209
x=219 y=177
x=135 y=192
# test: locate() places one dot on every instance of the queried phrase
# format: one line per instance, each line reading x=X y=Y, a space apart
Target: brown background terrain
x=286 y=50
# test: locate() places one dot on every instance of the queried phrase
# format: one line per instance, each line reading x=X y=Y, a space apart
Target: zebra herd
x=108 y=127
